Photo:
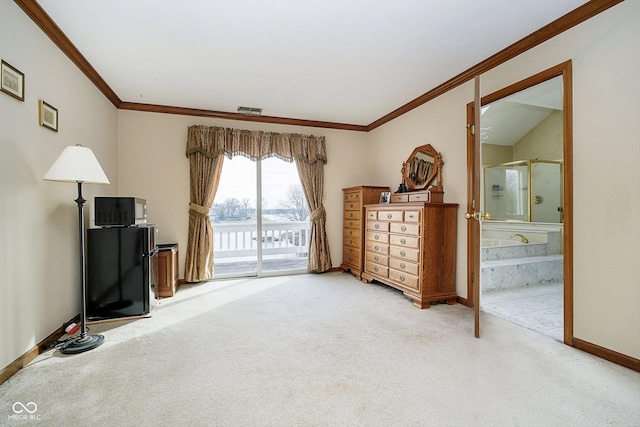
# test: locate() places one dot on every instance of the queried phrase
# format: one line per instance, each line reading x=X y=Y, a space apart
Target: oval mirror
x=421 y=168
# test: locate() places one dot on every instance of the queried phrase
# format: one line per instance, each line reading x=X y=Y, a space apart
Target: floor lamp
x=78 y=164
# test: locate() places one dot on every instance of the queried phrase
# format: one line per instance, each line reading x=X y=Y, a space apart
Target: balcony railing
x=238 y=240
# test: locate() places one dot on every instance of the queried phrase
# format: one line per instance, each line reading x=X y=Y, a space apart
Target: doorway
x=520 y=246
x=260 y=219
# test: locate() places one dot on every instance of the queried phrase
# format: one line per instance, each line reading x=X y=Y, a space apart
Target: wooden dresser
x=353 y=225
x=412 y=247
x=167 y=282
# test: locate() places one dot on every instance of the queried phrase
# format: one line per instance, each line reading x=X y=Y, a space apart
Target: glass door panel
x=285 y=218
x=234 y=220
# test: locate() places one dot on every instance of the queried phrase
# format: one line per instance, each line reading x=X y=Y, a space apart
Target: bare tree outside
x=295 y=204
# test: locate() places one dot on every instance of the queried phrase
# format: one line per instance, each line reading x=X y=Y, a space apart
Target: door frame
x=473 y=187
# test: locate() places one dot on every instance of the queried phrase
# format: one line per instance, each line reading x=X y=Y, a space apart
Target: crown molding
x=153 y=108
x=571 y=19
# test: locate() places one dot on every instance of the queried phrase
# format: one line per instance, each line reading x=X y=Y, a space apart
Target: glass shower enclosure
x=526 y=190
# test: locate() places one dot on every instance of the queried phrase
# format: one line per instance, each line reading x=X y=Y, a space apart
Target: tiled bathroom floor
x=536 y=307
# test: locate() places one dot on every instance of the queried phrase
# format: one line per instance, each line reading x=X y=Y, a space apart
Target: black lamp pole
x=84 y=341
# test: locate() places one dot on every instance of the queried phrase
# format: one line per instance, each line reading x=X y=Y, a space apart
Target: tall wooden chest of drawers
x=353 y=225
x=412 y=247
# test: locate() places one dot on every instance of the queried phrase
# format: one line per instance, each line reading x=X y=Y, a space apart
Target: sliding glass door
x=260 y=219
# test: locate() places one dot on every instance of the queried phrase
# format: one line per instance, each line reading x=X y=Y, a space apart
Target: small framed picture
x=12 y=81
x=385 y=197
x=48 y=116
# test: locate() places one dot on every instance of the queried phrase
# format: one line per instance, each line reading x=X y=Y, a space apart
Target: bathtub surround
x=508 y=262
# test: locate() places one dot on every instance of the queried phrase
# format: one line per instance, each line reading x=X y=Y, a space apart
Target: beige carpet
x=319 y=350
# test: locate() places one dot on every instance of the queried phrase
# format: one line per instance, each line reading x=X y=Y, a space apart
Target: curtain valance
x=212 y=141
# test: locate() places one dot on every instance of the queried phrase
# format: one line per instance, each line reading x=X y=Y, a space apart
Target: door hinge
x=473 y=277
x=472 y=128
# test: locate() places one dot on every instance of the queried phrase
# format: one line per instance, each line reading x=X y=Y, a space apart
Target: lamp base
x=82 y=344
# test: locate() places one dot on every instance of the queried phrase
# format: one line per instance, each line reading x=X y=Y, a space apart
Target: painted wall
x=157 y=142
x=39 y=254
x=606 y=100
x=543 y=142
x=493 y=154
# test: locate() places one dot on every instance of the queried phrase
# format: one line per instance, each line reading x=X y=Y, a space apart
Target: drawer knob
x=375 y=269
x=377 y=226
x=377 y=237
x=402 y=265
x=403 y=228
x=402 y=279
x=350 y=215
x=350 y=233
x=403 y=241
x=375 y=258
x=389 y=216
x=376 y=247
x=403 y=253
x=351 y=205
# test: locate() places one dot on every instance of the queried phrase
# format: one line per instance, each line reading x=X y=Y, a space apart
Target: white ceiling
x=343 y=61
x=508 y=120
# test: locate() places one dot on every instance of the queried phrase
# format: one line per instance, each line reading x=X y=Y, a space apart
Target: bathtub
x=495 y=249
x=497 y=243
x=500 y=243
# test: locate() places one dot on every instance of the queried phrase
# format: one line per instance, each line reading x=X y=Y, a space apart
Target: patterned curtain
x=312 y=178
x=212 y=142
x=204 y=178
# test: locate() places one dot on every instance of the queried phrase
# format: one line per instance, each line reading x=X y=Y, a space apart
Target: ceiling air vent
x=250 y=111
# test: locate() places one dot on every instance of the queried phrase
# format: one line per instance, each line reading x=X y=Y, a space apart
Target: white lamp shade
x=77 y=164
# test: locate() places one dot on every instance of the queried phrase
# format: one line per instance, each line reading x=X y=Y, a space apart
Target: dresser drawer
x=412 y=216
x=351 y=215
x=352 y=196
x=419 y=197
x=372 y=215
x=351 y=256
x=351 y=241
x=376 y=269
x=352 y=206
x=404 y=253
x=377 y=259
x=378 y=225
x=390 y=215
x=377 y=237
x=399 y=197
x=404 y=228
x=380 y=248
x=403 y=278
x=402 y=265
x=406 y=241
x=351 y=233
x=352 y=223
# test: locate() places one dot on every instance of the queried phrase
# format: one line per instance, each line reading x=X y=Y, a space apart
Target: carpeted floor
x=319 y=350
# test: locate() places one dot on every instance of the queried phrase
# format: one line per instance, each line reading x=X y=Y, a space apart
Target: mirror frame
x=435 y=173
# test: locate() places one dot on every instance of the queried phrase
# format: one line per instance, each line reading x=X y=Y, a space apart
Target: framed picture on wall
x=48 y=116
x=12 y=81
